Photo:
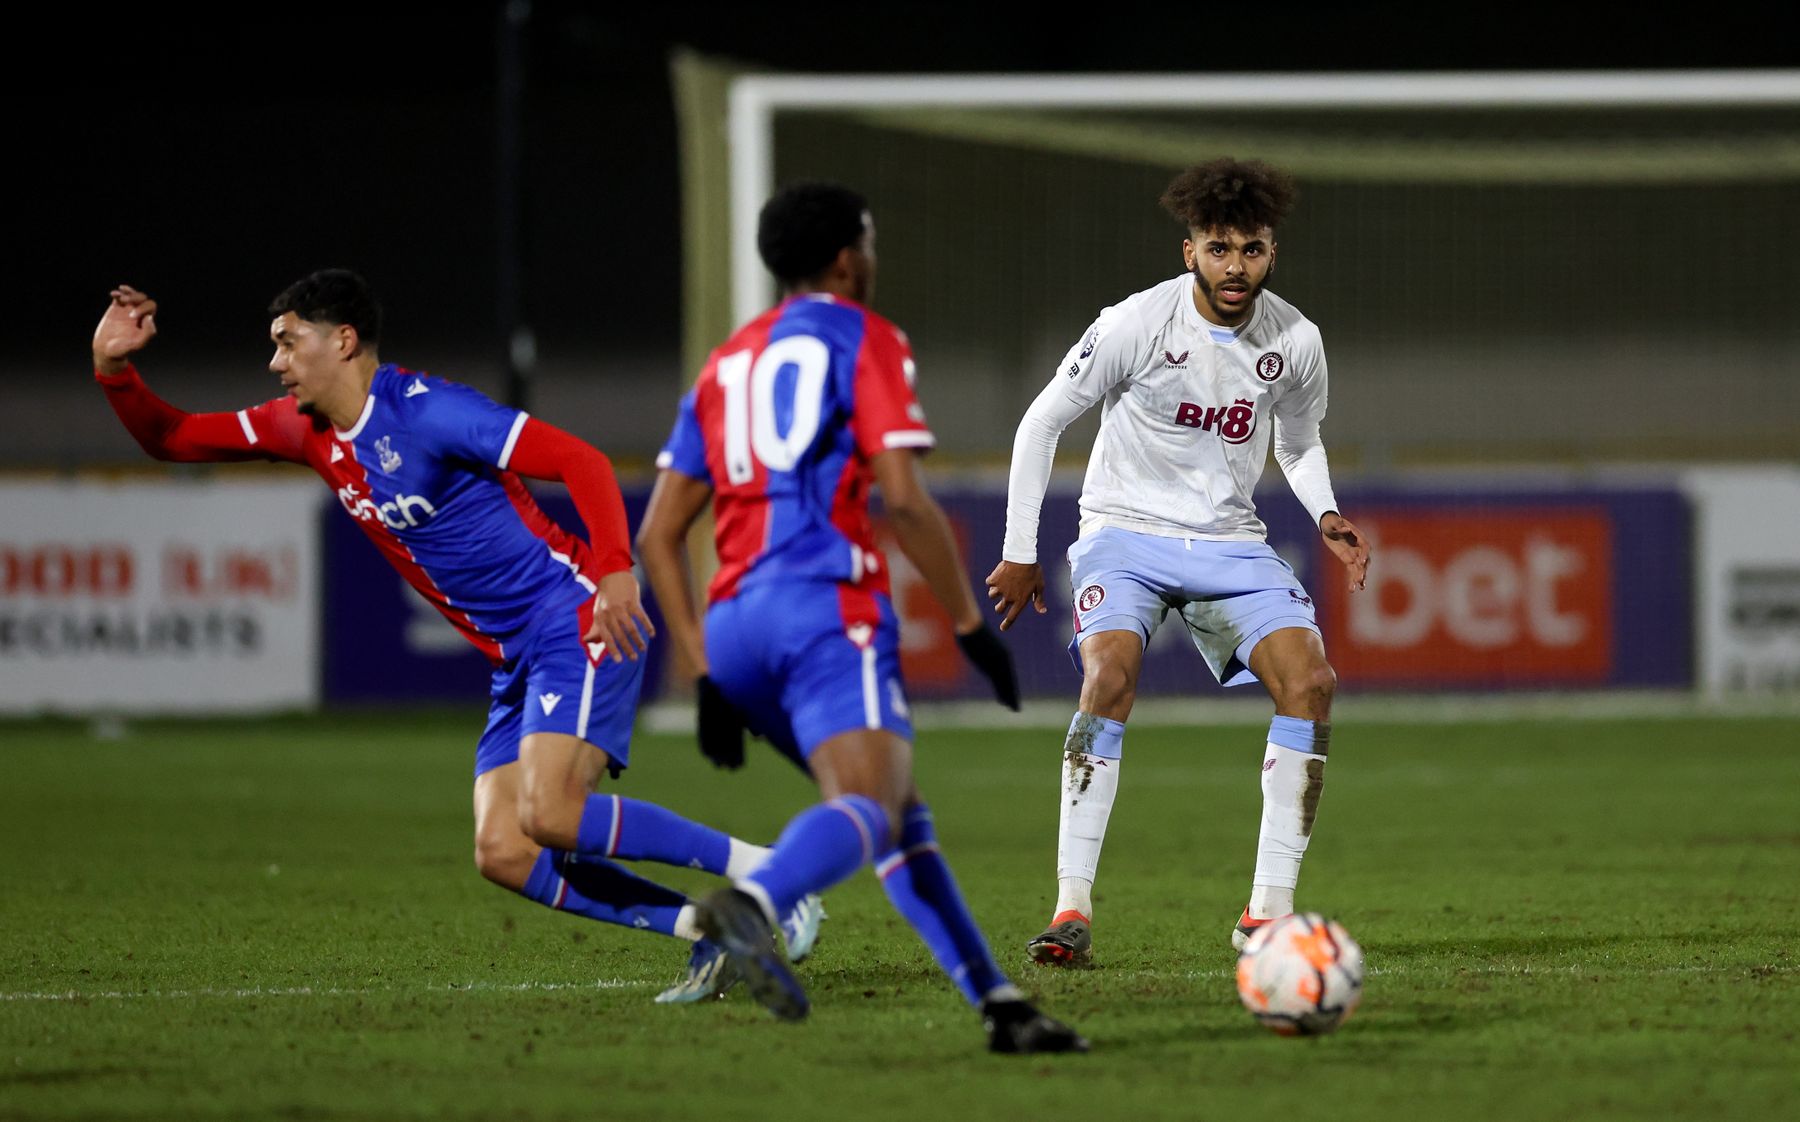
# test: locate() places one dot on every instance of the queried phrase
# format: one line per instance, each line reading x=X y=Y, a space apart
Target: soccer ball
x=1301 y=975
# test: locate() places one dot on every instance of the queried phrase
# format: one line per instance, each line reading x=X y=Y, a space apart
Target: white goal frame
x=754 y=100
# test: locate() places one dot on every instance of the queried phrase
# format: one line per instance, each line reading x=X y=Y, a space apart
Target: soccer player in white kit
x=1192 y=376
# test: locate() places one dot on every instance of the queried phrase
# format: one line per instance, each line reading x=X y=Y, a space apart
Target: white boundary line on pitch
x=1127 y=976
x=1408 y=709
x=321 y=991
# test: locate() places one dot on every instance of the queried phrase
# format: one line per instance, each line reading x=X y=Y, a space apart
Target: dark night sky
x=213 y=161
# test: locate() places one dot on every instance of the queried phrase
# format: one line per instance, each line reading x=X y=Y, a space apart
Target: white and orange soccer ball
x=1301 y=975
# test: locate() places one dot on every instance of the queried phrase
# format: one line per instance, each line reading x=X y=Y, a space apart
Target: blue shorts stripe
x=554 y=685
x=786 y=658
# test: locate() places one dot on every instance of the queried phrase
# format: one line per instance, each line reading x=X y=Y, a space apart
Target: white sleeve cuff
x=909 y=438
x=512 y=440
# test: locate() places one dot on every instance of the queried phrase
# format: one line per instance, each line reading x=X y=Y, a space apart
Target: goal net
x=1526 y=268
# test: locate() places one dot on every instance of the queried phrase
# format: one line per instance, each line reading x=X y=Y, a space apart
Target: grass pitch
x=281 y=919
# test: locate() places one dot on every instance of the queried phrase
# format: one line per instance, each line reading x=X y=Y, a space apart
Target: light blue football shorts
x=1231 y=594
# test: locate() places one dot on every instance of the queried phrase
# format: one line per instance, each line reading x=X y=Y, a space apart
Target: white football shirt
x=1187 y=412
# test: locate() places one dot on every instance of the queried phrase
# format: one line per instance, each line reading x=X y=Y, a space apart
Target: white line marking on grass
x=322 y=991
x=1521 y=971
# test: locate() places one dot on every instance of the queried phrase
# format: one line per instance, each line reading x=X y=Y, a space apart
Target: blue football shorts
x=557 y=683
x=806 y=661
x=1230 y=594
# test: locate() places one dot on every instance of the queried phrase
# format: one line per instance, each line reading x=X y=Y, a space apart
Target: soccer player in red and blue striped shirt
x=431 y=470
x=790 y=424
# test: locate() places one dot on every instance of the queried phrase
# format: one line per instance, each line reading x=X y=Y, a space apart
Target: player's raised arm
x=266 y=432
x=127 y=328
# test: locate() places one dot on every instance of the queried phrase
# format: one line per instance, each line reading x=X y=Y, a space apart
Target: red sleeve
x=271 y=431
x=887 y=413
x=547 y=452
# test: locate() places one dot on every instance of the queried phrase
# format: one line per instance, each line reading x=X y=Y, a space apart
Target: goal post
x=1482 y=250
x=989 y=109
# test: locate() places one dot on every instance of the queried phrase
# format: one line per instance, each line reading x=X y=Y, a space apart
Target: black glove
x=721 y=726
x=990 y=656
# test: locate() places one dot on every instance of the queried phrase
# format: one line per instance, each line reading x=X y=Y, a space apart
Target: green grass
x=281 y=919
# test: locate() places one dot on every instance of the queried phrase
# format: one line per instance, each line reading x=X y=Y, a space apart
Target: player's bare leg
x=1110 y=662
x=558 y=807
x=503 y=854
x=1291 y=665
x=507 y=854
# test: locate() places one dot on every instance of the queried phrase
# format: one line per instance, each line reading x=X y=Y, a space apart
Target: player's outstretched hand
x=1011 y=586
x=721 y=726
x=1350 y=544
x=127 y=327
x=990 y=656
x=619 y=618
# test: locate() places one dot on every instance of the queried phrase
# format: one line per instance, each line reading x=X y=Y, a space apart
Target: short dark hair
x=334 y=296
x=804 y=225
x=1231 y=194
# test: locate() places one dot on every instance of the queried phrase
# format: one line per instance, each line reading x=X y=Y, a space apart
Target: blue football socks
x=823 y=845
x=614 y=826
x=918 y=883
x=598 y=889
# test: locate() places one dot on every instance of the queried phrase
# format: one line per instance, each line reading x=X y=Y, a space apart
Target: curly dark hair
x=803 y=227
x=334 y=296
x=1231 y=194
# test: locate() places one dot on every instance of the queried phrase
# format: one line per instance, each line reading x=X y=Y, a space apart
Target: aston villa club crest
x=1269 y=366
x=1178 y=361
x=1090 y=597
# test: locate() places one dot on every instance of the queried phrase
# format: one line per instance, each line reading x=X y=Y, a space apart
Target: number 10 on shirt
x=751 y=411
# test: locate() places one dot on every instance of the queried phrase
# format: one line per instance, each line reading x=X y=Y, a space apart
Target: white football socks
x=744 y=859
x=1293 y=775
x=1090 y=781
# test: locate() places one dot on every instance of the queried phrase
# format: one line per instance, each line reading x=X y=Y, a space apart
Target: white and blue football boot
x=800 y=927
x=709 y=974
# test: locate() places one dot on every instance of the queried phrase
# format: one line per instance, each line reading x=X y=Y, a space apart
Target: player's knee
x=1108 y=689
x=549 y=819
x=1309 y=692
x=505 y=862
x=895 y=809
x=1321 y=684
